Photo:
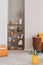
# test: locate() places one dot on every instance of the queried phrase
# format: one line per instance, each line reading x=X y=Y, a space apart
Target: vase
x=35 y=59
x=20 y=21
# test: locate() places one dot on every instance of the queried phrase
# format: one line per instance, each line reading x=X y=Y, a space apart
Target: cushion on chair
x=41 y=36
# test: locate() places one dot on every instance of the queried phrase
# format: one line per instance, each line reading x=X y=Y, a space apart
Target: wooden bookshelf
x=15 y=36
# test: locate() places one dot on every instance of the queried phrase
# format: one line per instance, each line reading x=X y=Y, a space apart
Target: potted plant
x=35 y=56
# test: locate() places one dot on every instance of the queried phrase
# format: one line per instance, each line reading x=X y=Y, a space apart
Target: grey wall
x=14 y=7
x=33 y=20
x=3 y=21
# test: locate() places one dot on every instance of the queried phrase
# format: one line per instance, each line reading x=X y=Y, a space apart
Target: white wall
x=14 y=7
x=3 y=21
x=33 y=20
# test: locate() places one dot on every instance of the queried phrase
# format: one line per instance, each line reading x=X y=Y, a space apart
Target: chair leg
x=42 y=47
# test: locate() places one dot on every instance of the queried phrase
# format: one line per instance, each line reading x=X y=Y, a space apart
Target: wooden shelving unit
x=16 y=36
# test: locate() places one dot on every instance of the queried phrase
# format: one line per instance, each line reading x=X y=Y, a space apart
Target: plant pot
x=35 y=59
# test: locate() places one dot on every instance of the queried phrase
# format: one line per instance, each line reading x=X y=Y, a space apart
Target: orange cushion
x=3 y=50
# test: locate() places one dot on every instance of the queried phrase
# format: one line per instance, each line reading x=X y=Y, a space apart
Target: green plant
x=34 y=52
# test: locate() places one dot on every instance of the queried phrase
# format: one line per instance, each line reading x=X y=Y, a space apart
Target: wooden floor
x=19 y=58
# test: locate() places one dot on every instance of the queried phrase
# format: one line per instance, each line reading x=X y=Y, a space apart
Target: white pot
x=20 y=21
x=20 y=42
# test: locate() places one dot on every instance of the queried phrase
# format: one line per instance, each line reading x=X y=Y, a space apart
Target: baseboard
x=27 y=49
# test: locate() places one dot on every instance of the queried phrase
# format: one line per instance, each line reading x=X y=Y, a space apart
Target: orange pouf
x=3 y=50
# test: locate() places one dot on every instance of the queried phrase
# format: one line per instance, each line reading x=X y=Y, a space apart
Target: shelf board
x=17 y=48
x=20 y=38
x=11 y=29
x=16 y=25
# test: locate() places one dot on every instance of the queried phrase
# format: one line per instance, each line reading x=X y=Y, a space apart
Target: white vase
x=20 y=42
x=20 y=21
